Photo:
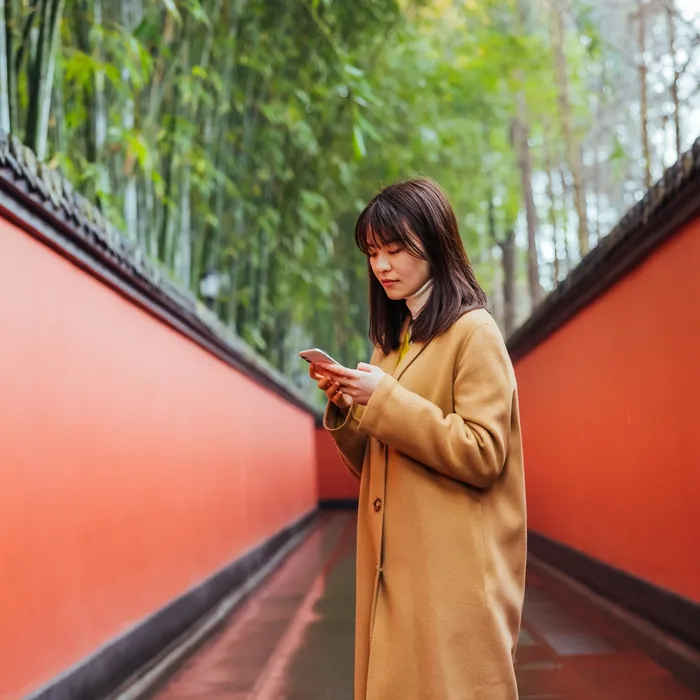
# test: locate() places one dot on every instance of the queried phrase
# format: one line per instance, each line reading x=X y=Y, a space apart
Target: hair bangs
x=417 y=216
x=381 y=224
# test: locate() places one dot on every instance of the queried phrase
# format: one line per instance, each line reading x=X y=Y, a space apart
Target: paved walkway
x=292 y=639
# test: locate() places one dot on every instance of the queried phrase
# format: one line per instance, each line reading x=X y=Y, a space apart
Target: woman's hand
x=332 y=389
x=358 y=384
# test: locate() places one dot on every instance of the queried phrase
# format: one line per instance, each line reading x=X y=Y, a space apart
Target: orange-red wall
x=611 y=422
x=133 y=464
x=335 y=483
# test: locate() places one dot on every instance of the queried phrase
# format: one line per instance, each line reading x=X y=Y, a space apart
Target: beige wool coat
x=441 y=520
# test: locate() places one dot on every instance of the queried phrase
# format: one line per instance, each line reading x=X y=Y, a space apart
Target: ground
x=292 y=638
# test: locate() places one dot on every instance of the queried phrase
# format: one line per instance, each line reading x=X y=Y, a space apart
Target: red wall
x=335 y=483
x=611 y=423
x=133 y=464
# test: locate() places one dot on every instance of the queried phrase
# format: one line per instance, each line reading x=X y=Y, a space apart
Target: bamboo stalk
x=56 y=12
x=13 y=101
x=36 y=80
x=4 y=76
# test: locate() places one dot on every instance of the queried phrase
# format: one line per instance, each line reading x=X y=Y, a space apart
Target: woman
x=431 y=429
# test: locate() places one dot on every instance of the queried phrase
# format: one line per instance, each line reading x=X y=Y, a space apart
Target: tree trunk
x=521 y=132
x=556 y=271
x=572 y=148
x=507 y=247
x=565 y=220
x=643 y=87
x=670 y=16
x=508 y=257
x=596 y=189
x=491 y=239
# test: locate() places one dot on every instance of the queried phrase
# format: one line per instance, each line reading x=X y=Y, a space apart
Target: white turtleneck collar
x=417 y=301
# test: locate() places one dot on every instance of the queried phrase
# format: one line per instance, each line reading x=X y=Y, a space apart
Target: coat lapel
x=388 y=362
x=413 y=352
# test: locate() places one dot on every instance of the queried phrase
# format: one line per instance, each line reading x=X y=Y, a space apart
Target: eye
x=394 y=251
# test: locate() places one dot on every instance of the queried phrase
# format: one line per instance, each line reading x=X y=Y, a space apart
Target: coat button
x=377 y=504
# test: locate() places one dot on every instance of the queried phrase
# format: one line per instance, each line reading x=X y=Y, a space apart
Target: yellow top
x=404 y=346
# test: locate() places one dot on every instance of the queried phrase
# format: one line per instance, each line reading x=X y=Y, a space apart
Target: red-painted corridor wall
x=133 y=464
x=610 y=415
x=335 y=483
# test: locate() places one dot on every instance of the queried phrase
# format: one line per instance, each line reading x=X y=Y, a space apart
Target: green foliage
x=253 y=133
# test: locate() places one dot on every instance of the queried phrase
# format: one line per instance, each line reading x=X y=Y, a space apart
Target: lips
x=388 y=283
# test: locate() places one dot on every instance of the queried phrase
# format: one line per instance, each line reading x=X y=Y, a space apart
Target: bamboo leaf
x=358 y=142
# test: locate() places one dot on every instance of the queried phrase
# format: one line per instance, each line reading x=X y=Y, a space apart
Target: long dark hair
x=398 y=215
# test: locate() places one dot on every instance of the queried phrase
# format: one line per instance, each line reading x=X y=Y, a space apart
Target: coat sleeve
x=344 y=429
x=350 y=442
x=469 y=445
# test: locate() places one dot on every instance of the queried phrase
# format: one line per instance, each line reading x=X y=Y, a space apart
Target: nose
x=382 y=263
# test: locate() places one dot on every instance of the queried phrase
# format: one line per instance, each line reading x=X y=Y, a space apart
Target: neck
x=417 y=301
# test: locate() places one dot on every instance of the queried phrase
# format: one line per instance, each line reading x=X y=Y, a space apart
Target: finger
x=330 y=367
x=341 y=396
x=364 y=367
x=332 y=391
x=324 y=383
x=338 y=371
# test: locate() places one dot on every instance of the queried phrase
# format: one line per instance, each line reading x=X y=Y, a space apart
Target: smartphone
x=315 y=355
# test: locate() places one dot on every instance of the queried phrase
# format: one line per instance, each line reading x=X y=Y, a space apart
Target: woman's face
x=400 y=273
